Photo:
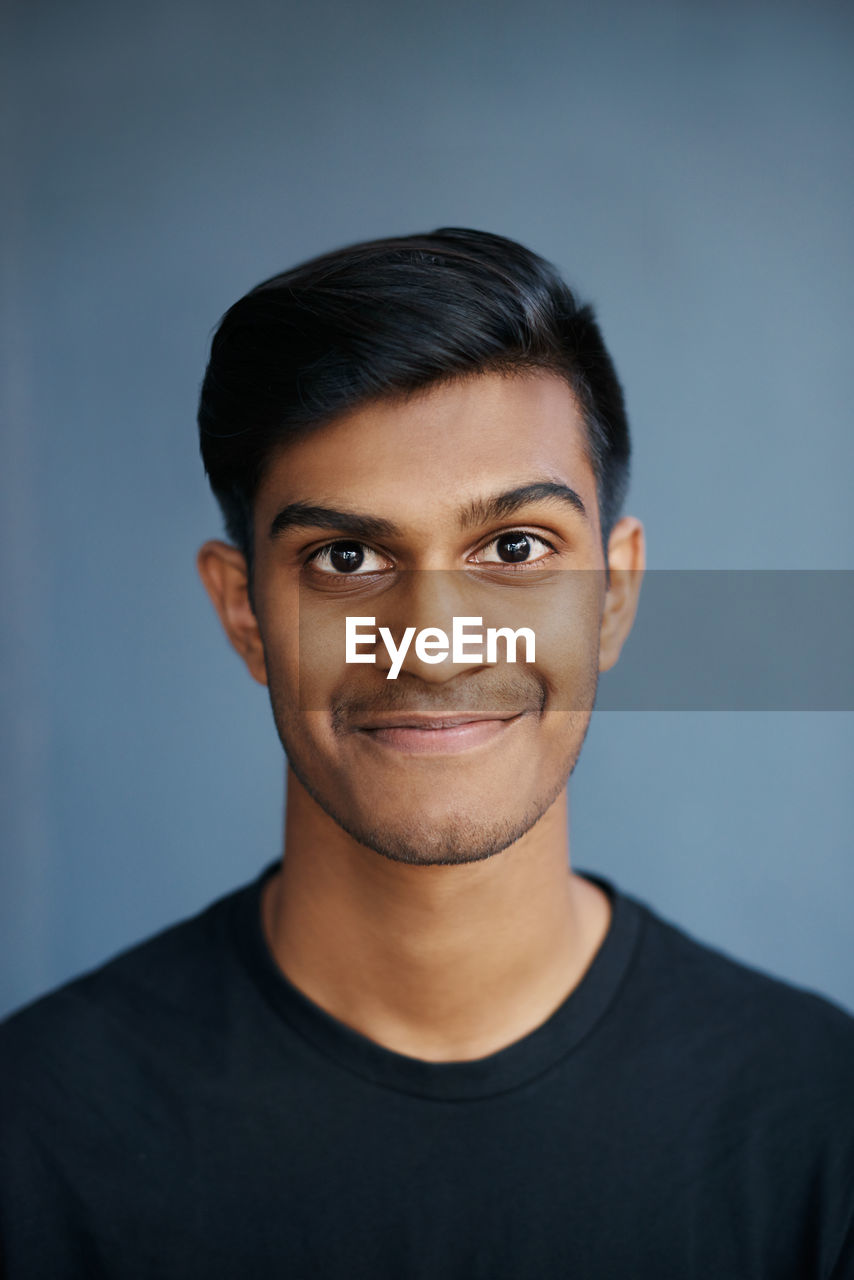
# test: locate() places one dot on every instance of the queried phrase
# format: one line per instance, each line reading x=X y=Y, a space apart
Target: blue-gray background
x=689 y=168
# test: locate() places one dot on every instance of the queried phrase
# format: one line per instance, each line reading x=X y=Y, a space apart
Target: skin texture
x=425 y=897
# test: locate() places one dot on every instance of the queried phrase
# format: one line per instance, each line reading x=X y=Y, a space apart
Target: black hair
x=388 y=317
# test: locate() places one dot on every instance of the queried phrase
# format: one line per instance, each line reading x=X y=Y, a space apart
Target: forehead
x=424 y=454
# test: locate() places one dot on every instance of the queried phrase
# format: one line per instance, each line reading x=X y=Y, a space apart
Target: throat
x=440 y=964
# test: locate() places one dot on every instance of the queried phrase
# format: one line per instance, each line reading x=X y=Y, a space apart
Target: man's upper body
x=425 y=1046
x=186 y=1111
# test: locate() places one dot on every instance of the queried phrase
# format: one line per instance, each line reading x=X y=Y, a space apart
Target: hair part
x=389 y=317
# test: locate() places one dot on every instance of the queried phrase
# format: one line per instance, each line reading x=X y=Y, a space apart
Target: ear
x=222 y=569
x=626 y=563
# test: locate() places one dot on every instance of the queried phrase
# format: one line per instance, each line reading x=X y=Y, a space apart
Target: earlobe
x=626 y=563
x=222 y=569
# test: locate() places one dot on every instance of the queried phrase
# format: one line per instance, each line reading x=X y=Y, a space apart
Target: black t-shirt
x=185 y=1111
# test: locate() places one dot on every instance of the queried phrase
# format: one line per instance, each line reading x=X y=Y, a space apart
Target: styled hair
x=388 y=317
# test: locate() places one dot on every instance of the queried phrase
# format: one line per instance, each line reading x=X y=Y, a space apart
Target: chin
x=448 y=838
x=451 y=844
x=427 y=820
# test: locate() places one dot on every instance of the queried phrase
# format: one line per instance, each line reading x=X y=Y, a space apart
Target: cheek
x=321 y=648
x=282 y=653
x=277 y=613
x=569 y=661
x=303 y=652
x=564 y=613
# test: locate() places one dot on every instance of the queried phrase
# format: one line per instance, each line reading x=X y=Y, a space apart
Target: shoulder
x=756 y=1024
x=758 y=1071
x=96 y=1083
x=149 y=994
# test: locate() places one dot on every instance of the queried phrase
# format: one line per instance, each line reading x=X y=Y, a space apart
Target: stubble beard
x=459 y=838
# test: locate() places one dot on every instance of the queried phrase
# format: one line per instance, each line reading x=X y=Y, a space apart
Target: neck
x=442 y=963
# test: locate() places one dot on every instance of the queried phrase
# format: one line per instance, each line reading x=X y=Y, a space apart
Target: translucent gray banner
x=738 y=640
x=702 y=640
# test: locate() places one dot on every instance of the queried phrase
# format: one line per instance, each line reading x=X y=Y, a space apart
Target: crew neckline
x=509 y=1068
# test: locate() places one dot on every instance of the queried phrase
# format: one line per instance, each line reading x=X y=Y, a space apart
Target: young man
x=419 y=1044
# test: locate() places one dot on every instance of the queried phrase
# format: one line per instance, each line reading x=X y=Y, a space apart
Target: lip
x=436 y=735
x=420 y=720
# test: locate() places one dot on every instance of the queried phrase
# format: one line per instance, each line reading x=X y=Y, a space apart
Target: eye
x=347 y=557
x=515 y=547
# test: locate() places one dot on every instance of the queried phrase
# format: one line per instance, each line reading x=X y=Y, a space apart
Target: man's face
x=473 y=498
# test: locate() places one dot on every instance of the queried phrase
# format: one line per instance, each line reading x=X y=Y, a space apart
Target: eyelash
x=518 y=566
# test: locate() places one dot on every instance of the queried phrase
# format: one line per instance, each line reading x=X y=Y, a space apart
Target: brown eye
x=347 y=556
x=515 y=547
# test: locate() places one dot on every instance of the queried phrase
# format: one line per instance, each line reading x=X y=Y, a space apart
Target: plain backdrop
x=689 y=168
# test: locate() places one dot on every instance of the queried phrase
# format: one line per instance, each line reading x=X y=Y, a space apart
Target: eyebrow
x=479 y=511
x=306 y=516
x=482 y=510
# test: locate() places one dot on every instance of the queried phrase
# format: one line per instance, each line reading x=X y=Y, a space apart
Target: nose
x=429 y=600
